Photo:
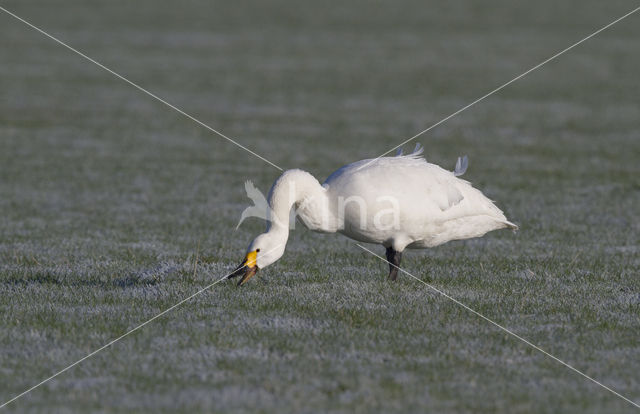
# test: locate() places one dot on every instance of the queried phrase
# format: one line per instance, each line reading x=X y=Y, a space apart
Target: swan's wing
x=463 y=199
x=401 y=160
x=461 y=166
x=445 y=193
x=416 y=154
x=426 y=192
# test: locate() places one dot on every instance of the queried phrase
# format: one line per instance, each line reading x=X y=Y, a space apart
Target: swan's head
x=262 y=251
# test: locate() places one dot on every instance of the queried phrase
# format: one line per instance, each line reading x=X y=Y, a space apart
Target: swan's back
x=434 y=205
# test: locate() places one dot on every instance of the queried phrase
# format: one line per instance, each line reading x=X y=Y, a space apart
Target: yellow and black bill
x=247 y=269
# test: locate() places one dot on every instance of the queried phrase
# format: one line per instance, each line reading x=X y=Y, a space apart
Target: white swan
x=399 y=202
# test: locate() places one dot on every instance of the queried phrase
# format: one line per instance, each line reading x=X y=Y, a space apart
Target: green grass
x=107 y=196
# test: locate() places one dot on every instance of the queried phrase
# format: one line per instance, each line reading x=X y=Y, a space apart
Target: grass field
x=107 y=197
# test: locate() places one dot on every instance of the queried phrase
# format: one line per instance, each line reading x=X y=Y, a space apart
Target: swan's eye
x=257 y=250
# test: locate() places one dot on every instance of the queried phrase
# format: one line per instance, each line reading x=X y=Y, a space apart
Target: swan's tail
x=510 y=225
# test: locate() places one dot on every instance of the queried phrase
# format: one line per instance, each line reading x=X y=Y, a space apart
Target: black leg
x=394 y=258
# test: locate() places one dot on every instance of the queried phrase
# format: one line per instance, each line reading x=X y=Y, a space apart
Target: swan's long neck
x=292 y=188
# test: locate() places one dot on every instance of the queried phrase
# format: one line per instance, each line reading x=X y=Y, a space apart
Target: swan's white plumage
x=434 y=205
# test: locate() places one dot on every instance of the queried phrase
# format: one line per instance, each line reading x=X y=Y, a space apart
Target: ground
x=108 y=197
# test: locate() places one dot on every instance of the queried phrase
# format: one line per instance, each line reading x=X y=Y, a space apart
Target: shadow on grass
x=145 y=278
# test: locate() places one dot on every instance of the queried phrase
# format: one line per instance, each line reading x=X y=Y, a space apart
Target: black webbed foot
x=393 y=257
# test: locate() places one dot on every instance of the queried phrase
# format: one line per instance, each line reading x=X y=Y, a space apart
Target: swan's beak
x=247 y=269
